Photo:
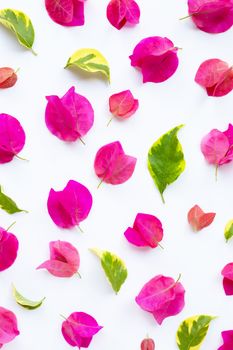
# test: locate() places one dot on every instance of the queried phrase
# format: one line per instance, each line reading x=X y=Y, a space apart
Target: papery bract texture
x=67 y=208
x=148 y=344
x=215 y=76
x=112 y=165
x=64 y=259
x=66 y=12
x=227 y=274
x=227 y=337
x=156 y=57
x=123 y=105
x=147 y=231
x=121 y=12
x=8 y=77
x=216 y=146
x=70 y=117
x=162 y=296
x=8 y=249
x=211 y=16
x=8 y=326
x=12 y=138
x=198 y=219
x=79 y=329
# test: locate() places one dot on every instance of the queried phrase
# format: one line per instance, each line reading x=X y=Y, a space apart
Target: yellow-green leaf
x=114 y=268
x=26 y=303
x=192 y=332
x=166 y=160
x=20 y=24
x=228 y=232
x=7 y=204
x=90 y=60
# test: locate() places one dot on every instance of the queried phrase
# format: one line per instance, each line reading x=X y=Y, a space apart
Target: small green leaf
x=20 y=24
x=90 y=60
x=192 y=332
x=113 y=267
x=26 y=303
x=228 y=232
x=166 y=160
x=7 y=204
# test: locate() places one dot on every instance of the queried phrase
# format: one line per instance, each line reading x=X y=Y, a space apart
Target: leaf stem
x=21 y=158
x=13 y=223
x=109 y=121
x=34 y=53
x=162 y=197
x=82 y=141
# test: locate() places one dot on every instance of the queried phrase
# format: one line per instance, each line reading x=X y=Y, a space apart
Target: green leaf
x=228 y=232
x=7 y=204
x=166 y=160
x=24 y=302
x=90 y=60
x=113 y=267
x=20 y=24
x=192 y=332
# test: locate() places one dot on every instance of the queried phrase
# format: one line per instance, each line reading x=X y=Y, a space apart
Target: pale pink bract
x=70 y=117
x=12 y=138
x=112 y=165
x=66 y=12
x=8 y=249
x=79 y=329
x=215 y=76
x=156 y=57
x=123 y=105
x=64 y=259
x=8 y=326
x=217 y=146
x=211 y=16
x=198 y=219
x=122 y=12
x=67 y=208
x=162 y=296
x=147 y=231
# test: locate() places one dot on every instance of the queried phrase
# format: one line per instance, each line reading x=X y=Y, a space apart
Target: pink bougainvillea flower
x=66 y=12
x=216 y=77
x=112 y=165
x=227 y=337
x=147 y=231
x=156 y=57
x=64 y=259
x=70 y=117
x=162 y=296
x=12 y=138
x=8 y=326
x=121 y=12
x=227 y=274
x=211 y=16
x=8 y=249
x=8 y=77
x=79 y=328
x=123 y=105
x=217 y=146
x=148 y=344
x=198 y=219
x=67 y=208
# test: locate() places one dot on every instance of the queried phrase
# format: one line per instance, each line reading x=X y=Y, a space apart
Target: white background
x=198 y=257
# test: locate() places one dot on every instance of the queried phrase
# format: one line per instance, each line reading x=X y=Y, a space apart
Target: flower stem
x=185 y=17
x=8 y=228
x=77 y=273
x=109 y=121
x=216 y=173
x=80 y=229
x=63 y=317
x=100 y=183
x=82 y=141
x=21 y=158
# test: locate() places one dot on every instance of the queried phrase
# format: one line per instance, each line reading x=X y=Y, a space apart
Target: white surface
x=198 y=257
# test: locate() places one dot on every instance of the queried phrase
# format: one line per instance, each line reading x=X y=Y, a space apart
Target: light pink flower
x=8 y=249
x=198 y=219
x=66 y=12
x=8 y=326
x=123 y=105
x=121 y=12
x=64 y=259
